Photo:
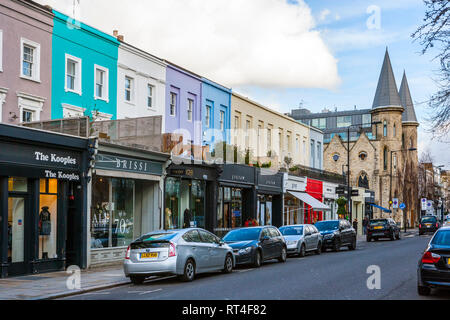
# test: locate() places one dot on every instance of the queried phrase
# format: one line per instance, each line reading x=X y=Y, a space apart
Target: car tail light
x=172 y=251
x=420 y=226
x=127 y=255
x=437 y=225
x=430 y=258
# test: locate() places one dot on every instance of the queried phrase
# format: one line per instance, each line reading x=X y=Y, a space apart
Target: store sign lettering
x=108 y=162
x=61 y=175
x=131 y=165
x=40 y=156
x=238 y=178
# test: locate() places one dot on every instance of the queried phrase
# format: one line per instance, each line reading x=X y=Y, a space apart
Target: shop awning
x=384 y=209
x=314 y=203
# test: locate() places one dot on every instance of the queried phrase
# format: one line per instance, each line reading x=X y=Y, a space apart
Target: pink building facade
x=25 y=61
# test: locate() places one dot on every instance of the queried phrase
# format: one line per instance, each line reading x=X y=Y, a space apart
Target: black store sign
x=43 y=162
x=270 y=181
x=238 y=174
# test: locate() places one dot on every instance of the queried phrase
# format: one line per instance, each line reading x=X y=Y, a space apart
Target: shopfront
x=358 y=208
x=42 y=201
x=293 y=206
x=189 y=194
x=126 y=200
x=236 y=198
x=269 y=204
x=369 y=199
x=314 y=188
x=329 y=199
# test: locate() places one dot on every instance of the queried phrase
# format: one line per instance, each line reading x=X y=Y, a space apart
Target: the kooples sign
x=29 y=155
x=50 y=174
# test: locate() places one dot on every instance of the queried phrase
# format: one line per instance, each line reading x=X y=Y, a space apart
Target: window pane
x=17 y=184
x=48 y=215
x=100 y=213
x=122 y=212
x=52 y=186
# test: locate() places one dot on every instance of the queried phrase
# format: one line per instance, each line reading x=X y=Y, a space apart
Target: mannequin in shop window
x=45 y=227
x=187 y=218
x=168 y=219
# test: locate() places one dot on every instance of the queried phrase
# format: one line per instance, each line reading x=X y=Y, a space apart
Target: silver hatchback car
x=181 y=252
x=301 y=238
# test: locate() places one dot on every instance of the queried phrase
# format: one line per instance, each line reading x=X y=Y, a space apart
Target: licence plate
x=428 y=225
x=378 y=228
x=149 y=255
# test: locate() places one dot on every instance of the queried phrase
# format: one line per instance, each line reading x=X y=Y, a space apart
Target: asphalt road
x=329 y=276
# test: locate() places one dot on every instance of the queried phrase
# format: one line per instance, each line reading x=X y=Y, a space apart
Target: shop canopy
x=384 y=209
x=314 y=203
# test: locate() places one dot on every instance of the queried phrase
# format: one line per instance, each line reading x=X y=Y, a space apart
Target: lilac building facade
x=183 y=104
x=25 y=61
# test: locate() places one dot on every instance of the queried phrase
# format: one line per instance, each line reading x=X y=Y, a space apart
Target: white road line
x=245 y=270
x=98 y=293
x=145 y=292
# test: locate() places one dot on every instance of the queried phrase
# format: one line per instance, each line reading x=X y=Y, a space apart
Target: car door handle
x=194 y=248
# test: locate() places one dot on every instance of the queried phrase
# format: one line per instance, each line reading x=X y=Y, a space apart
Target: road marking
x=98 y=293
x=145 y=292
x=245 y=270
x=410 y=236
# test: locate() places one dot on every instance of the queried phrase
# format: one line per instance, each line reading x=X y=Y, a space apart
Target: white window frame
x=208 y=117
x=105 y=83
x=190 y=109
x=222 y=120
x=1 y=52
x=132 y=86
x=72 y=111
x=78 y=75
x=36 y=69
x=173 y=103
x=31 y=103
x=152 y=96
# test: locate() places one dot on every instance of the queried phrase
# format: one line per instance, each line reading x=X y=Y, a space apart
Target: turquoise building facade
x=216 y=113
x=84 y=73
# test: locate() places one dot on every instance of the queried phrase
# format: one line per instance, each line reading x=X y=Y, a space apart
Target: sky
x=321 y=54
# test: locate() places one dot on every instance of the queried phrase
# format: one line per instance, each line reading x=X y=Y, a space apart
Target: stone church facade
x=387 y=162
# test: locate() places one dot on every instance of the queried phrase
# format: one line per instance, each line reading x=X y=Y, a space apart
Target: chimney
x=116 y=33
x=120 y=38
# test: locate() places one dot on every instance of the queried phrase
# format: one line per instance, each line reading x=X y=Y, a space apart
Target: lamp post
x=390 y=188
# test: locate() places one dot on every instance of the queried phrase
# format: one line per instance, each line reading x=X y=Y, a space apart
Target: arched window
x=363 y=155
x=385 y=128
x=411 y=143
x=395 y=131
x=363 y=181
x=403 y=140
x=385 y=158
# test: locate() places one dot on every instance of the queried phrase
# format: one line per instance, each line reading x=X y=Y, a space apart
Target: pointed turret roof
x=386 y=94
x=409 y=114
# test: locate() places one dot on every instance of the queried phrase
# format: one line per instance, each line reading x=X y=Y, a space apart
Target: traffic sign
x=395 y=203
x=402 y=206
x=423 y=202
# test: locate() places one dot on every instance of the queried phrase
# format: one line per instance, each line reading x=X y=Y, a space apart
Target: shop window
x=112 y=212
x=16 y=184
x=48 y=218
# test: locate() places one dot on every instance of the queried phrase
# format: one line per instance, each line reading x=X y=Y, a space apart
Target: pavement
x=54 y=285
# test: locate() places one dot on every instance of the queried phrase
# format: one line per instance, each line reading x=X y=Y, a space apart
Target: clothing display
x=45 y=224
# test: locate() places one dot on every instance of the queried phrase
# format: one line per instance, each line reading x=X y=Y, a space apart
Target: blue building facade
x=84 y=73
x=216 y=113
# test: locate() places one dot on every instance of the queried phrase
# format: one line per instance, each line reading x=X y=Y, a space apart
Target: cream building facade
x=270 y=135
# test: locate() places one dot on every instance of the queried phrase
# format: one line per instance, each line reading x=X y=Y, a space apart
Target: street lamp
x=390 y=188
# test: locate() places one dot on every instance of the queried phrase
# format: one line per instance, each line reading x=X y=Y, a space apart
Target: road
x=329 y=276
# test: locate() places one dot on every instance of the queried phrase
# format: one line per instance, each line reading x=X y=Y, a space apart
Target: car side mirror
x=265 y=238
x=221 y=242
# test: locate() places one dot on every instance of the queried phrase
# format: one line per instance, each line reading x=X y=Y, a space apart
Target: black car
x=434 y=267
x=254 y=245
x=428 y=224
x=383 y=228
x=337 y=234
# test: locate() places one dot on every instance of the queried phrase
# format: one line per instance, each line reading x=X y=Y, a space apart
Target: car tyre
x=228 y=265
x=398 y=236
x=423 y=291
x=353 y=245
x=368 y=239
x=137 y=279
x=283 y=255
x=258 y=259
x=189 y=271
x=319 y=248
x=392 y=236
x=302 y=252
x=337 y=246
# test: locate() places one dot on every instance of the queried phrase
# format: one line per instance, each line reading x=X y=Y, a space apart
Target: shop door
x=18 y=235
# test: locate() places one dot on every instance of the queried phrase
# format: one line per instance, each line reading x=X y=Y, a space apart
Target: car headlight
x=291 y=242
x=245 y=250
x=328 y=236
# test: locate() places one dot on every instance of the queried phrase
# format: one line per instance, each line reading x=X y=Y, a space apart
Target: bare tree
x=435 y=32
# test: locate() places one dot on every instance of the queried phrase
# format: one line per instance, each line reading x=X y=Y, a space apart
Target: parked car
x=182 y=252
x=428 y=224
x=383 y=228
x=336 y=234
x=302 y=238
x=254 y=245
x=434 y=267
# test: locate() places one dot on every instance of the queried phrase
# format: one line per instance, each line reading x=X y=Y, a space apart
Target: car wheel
x=283 y=255
x=319 y=248
x=420 y=233
x=337 y=246
x=376 y=239
x=392 y=236
x=398 y=236
x=423 y=291
x=368 y=239
x=189 y=271
x=258 y=258
x=353 y=245
x=137 y=279
x=302 y=252
x=228 y=266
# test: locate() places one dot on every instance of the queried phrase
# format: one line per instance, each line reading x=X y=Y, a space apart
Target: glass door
x=17 y=253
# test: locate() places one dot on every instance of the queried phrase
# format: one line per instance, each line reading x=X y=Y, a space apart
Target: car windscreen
x=429 y=220
x=291 y=231
x=442 y=238
x=167 y=236
x=380 y=222
x=243 y=234
x=327 y=225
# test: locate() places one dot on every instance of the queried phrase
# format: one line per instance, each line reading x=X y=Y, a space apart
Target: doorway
x=18 y=234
